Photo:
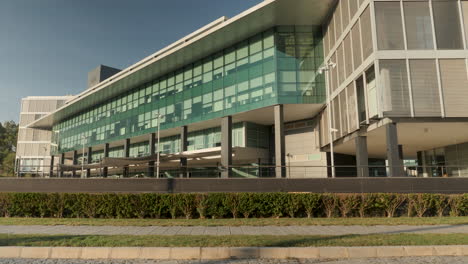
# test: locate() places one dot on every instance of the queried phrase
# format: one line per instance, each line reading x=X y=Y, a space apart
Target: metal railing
x=244 y=171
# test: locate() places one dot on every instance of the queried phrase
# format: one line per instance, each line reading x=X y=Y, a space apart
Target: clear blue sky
x=47 y=47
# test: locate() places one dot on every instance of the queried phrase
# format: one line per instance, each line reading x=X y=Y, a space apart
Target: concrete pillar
x=75 y=161
x=226 y=146
x=395 y=163
x=362 y=157
x=89 y=160
x=51 y=172
x=423 y=164
x=105 y=170
x=183 y=147
x=62 y=162
x=152 y=149
x=126 y=155
x=279 y=141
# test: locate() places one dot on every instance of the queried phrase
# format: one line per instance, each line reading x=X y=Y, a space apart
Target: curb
x=185 y=253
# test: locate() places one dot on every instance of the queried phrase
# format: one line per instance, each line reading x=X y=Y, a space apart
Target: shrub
x=464 y=205
x=310 y=202
x=330 y=202
x=219 y=205
x=55 y=205
x=231 y=202
x=441 y=203
x=366 y=202
x=456 y=203
x=160 y=207
x=420 y=202
x=171 y=201
x=89 y=209
x=216 y=208
x=125 y=206
x=24 y=204
x=278 y=204
x=293 y=204
x=247 y=204
x=391 y=202
x=201 y=204
x=5 y=201
x=145 y=206
x=347 y=203
x=185 y=203
x=108 y=205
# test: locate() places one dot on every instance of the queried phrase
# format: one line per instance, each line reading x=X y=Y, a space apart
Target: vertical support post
x=126 y=155
x=51 y=171
x=18 y=166
x=424 y=164
x=75 y=161
x=152 y=149
x=279 y=141
x=395 y=163
x=183 y=147
x=62 y=162
x=226 y=146
x=89 y=160
x=105 y=170
x=362 y=157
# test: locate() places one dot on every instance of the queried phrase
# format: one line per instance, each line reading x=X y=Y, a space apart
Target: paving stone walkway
x=231 y=230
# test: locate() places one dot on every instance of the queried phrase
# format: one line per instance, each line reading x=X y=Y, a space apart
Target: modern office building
x=284 y=84
x=34 y=148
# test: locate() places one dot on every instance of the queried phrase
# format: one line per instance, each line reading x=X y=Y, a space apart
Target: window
x=356 y=45
x=348 y=55
x=447 y=24
x=464 y=4
x=366 y=33
x=389 y=26
x=418 y=25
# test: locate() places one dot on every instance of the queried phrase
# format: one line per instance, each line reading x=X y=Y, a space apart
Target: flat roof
x=213 y=37
x=64 y=97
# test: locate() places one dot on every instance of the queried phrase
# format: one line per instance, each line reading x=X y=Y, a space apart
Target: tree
x=8 y=164
x=9 y=136
x=8 y=139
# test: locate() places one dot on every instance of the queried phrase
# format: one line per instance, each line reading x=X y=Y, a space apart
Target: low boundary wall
x=339 y=185
x=213 y=253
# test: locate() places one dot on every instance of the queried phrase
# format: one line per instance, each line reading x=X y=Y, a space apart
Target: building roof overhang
x=215 y=36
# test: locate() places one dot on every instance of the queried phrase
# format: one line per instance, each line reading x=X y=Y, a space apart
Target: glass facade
x=275 y=66
x=448 y=161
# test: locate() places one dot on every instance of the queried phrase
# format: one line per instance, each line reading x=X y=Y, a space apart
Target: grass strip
x=231 y=241
x=237 y=222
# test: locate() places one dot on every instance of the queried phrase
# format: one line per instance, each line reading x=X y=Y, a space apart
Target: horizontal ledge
x=185 y=253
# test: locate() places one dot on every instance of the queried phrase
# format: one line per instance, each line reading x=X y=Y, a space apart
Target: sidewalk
x=231 y=230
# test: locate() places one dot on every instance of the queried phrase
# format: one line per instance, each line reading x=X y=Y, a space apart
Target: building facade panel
x=425 y=88
x=33 y=149
x=454 y=84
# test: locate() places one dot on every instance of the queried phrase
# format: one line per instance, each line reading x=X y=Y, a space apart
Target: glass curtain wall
x=239 y=78
x=448 y=161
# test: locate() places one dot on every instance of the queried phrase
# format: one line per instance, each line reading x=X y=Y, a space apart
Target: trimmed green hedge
x=230 y=205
